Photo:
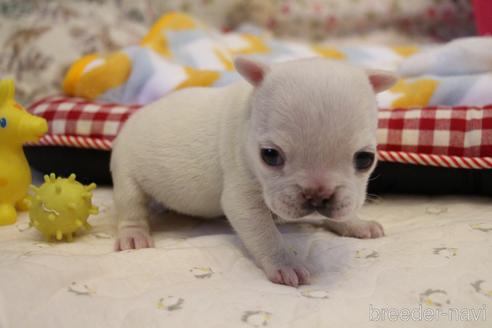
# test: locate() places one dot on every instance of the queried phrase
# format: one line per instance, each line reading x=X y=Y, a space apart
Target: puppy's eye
x=3 y=122
x=271 y=157
x=363 y=160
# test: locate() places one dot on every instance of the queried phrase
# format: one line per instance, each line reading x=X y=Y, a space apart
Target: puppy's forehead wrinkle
x=309 y=94
x=317 y=111
x=319 y=138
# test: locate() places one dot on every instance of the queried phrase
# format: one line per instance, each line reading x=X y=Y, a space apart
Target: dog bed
x=437 y=116
x=423 y=150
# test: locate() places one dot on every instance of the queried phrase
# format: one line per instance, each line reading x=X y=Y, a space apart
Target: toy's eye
x=271 y=157
x=3 y=122
x=363 y=160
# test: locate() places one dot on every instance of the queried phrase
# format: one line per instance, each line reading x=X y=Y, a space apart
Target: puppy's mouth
x=326 y=211
x=330 y=212
x=304 y=213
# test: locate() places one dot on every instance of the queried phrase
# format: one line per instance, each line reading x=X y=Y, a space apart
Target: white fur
x=197 y=151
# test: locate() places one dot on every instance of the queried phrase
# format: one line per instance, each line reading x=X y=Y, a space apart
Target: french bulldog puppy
x=294 y=140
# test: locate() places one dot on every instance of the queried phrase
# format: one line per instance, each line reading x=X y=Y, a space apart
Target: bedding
x=436 y=257
x=440 y=119
x=428 y=118
x=40 y=39
x=441 y=136
x=180 y=52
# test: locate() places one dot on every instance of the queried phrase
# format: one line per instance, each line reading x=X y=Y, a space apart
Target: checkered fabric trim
x=77 y=122
x=457 y=137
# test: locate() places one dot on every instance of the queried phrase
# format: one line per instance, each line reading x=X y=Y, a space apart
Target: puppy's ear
x=381 y=80
x=252 y=71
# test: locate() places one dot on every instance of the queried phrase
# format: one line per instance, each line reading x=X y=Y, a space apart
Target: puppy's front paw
x=133 y=238
x=287 y=271
x=358 y=229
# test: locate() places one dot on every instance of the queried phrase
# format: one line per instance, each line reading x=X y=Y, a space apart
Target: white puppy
x=298 y=139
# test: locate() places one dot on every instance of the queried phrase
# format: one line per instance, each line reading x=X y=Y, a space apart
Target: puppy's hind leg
x=133 y=213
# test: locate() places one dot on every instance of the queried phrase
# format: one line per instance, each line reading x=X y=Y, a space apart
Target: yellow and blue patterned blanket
x=180 y=52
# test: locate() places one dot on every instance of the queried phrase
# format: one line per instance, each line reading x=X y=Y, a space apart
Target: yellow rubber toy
x=60 y=207
x=17 y=127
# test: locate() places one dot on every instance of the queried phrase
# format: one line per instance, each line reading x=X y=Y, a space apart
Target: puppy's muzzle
x=318 y=201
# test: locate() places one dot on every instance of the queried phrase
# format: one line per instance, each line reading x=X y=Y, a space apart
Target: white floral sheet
x=435 y=259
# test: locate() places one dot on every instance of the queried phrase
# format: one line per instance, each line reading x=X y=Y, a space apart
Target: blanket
x=180 y=52
x=435 y=259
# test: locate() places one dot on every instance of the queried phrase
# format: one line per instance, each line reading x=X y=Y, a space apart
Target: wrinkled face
x=312 y=141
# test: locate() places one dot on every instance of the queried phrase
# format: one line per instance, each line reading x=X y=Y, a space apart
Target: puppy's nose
x=317 y=199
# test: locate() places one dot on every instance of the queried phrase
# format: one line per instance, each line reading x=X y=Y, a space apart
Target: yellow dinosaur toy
x=17 y=126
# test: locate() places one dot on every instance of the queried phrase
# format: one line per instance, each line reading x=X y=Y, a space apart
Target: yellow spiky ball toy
x=60 y=207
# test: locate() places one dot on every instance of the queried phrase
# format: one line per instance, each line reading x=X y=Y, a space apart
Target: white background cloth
x=437 y=252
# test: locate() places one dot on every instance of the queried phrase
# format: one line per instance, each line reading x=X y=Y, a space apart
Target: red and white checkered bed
x=456 y=137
